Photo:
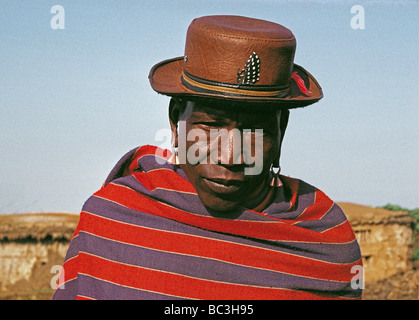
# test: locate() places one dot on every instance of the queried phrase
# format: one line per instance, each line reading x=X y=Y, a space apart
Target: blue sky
x=73 y=101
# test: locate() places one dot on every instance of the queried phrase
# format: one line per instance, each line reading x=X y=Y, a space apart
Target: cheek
x=196 y=146
x=270 y=151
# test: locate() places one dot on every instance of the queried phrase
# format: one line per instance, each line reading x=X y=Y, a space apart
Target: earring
x=174 y=158
x=275 y=181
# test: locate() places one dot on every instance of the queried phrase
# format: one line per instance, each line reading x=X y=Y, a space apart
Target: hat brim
x=165 y=78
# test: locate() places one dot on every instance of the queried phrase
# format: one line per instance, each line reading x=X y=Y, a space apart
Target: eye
x=208 y=123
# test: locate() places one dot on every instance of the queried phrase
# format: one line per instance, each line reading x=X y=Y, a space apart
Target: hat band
x=207 y=86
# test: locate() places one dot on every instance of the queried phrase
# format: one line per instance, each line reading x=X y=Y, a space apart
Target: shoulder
x=141 y=173
x=130 y=162
x=307 y=202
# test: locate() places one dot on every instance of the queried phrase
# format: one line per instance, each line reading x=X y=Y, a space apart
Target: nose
x=226 y=147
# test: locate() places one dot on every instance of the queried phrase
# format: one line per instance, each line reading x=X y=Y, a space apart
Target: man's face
x=226 y=152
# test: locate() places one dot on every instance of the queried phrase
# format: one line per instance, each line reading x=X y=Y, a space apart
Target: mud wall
x=30 y=246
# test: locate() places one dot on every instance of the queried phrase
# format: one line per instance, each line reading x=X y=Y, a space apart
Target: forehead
x=232 y=111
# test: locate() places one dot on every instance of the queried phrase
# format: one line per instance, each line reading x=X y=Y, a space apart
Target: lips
x=222 y=186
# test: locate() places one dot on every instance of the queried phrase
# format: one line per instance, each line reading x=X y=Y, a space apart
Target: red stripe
x=159 y=178
x=335 y=231
x=77 y=230
x=322 y=204
x=83 y=298
x=216 y=249
x=293 y=187
x=145 y=151
x=262 y=230
x=164 y=178
x=179 y=285
x=70 y=268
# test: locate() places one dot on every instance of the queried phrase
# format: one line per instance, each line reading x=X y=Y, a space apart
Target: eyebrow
x=222 y=115
x=202 y=115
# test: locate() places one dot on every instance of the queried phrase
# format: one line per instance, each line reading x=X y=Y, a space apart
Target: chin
x=223 y=209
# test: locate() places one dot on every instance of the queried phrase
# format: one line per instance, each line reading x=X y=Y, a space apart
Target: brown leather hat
x=240 y=59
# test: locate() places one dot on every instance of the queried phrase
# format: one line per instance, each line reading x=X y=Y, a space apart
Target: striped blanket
x=146 y=235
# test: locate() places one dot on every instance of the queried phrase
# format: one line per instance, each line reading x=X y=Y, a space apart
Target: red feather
x=300 y=83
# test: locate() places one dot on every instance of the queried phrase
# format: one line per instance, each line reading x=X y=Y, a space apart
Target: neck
x=261 y=198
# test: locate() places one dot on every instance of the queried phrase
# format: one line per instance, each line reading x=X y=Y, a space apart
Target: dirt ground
x=403 y=286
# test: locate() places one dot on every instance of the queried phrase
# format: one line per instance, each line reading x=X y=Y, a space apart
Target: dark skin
x=224 y=187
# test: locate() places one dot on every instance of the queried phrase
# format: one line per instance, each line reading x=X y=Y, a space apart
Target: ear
x=174 y=113
x=283 y=123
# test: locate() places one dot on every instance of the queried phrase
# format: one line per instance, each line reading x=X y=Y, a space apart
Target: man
x=214 y=219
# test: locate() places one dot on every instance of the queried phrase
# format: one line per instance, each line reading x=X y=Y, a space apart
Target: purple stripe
x=204 y=268
x=103 y=290
x=278 y=209
x=72 y=250
x=182 y=200
x=69 y=291
x=334 y=217
x=306 y=192
x=306 y=198
x=119 y=167
x=323 y=252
